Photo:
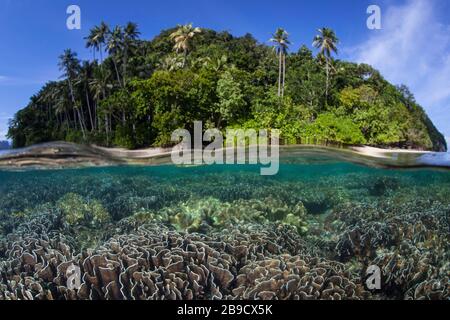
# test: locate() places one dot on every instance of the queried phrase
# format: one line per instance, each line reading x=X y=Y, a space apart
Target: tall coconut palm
x=130 y=35
x=83 y=79
x=281 y=44
x=97 y=39
x=100 y=84
x=92 y=41
x=326 y=41
x=61 y=105
x=70 y=65
x=114 y=47
x=182 y=37
x=45 y=98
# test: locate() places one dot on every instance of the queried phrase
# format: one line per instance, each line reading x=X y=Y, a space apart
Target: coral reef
x=409 y=242
x=199 y=215
x=156 y=263
x=195 y=233
x=77 y=211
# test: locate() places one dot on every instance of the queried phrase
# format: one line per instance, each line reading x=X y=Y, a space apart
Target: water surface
x=333 y=217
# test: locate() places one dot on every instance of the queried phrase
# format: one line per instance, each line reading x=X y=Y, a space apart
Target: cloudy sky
x=412 y=48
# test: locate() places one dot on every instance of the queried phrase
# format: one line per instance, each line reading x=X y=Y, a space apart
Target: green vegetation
x=143 y=90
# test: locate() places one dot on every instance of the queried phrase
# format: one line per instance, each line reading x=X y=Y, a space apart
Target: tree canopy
x=139 y=91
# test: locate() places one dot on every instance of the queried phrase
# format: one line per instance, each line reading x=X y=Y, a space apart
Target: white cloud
x=413 y=48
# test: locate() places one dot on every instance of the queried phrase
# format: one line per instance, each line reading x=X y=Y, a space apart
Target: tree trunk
x=77 y=111
x=82 y=125
x=110 y=123
x=184 y=57
x=75 y=123
x=96 y=117
x=66 y=118
x=280 y=63
x=58 y=120
x=125 y=61
x=106 y=130
x=73 y=106
x=284 y=75
x=117 y=72
x=327 y=83
x=89 y=109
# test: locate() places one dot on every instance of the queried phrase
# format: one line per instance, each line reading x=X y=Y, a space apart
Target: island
x=4 y=145
x=134 y=93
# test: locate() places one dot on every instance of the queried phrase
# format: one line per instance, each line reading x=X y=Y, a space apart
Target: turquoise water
x=311 y=231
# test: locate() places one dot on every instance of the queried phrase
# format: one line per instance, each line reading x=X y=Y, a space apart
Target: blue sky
x=413 y=46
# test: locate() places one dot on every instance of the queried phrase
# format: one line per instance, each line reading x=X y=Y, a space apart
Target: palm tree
x=97 y=39
x=326 y=41
x=114 y=46
x=182 y=37
x=130 y=35
x=70 y=65
x=100 y=84
x=84 y=77
x=92 y=41
x=44 y=98
x=61 y=105
x=281 y=41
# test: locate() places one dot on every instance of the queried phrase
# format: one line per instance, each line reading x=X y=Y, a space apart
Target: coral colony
x=214 y=232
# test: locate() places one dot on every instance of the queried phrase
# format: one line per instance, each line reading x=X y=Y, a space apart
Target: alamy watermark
x=373 y=281
x=73 y=275
x=239 y=146
x=73 y=22
x=374 y=20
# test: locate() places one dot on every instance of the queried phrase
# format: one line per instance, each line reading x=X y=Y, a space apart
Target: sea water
x=343 y=217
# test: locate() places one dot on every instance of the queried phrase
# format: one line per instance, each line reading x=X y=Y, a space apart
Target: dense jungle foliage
x=135 y=93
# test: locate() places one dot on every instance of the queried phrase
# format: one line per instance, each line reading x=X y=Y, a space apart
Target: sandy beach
x=385 y=153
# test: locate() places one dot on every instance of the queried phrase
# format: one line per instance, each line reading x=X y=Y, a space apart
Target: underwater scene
x=314 y=231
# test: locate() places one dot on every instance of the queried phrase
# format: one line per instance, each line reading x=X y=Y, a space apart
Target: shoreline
x=363 y=150
x=384 y=153
x=60 y=155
